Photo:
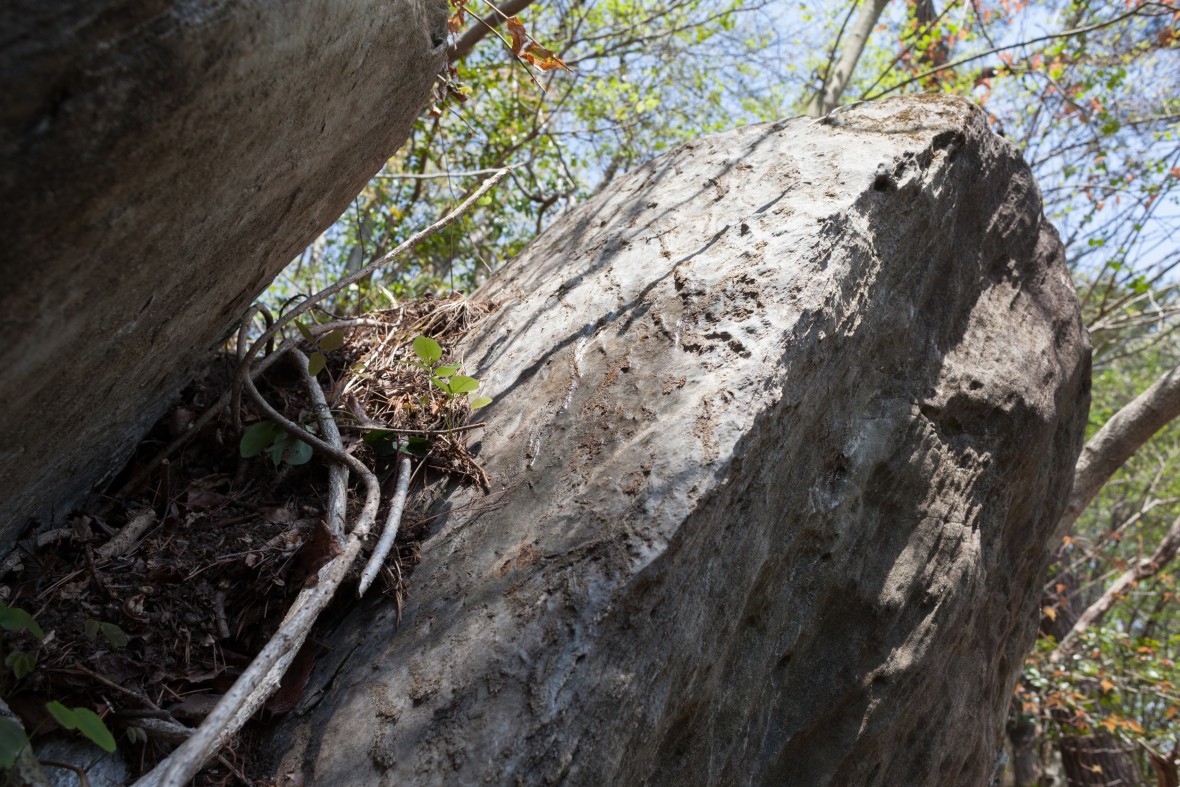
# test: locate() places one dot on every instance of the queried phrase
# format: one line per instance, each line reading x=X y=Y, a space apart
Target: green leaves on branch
x=429 y=353
x=333 y=340
x=267 y=435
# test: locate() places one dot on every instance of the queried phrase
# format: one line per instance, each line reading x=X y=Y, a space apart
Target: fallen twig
x=79 y=771
x=122 y=542
x=164 y=730
x=337 y=473
x=219 y=614
x=392 y=522
x=262 y=677
x=214 y=409
x=40 y=540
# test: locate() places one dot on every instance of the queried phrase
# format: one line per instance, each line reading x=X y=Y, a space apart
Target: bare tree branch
x=1144 y=568
x=1118 y=440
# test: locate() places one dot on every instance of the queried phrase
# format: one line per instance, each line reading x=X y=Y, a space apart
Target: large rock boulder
x=159 y=163
x=783 y=423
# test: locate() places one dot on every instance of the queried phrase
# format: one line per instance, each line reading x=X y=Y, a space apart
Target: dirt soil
x=161 y=631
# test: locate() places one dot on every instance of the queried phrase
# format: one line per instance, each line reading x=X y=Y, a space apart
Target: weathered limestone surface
x=784 y=420
x=160 y=161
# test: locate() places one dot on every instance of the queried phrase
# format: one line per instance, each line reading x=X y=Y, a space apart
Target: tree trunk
x=1022 y=735
x=1097 y=761
x=827 y=97
x=783 y=423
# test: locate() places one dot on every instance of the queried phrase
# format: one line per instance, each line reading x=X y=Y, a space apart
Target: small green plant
x=21 y=663
x=84 y=721
x=283 y=447
x=114 y=635
x=333 y=340
x=429 y=354
x=16 y=619
x=12 y=741
x=388 y=443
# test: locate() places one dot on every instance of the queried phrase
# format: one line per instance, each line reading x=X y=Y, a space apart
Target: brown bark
x=1096 y=761
x=1166 y=766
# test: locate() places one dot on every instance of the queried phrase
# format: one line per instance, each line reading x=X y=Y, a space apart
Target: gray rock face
x=784 y=421
x=159 y=163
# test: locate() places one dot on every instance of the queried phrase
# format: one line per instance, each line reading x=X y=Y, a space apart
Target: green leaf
x=90 y=725
x=17 y=619
x=63 y=715
x=297 y=452
x=115 y=636
x=12 y=740
x=333 y=341
x=478 y=402
x=276 y=450
x=417 y=447
x=316 y=363
x=374 y=436
x=461 y=384
x=137 y=734
x=21 y=663
x=91 y=628
x=305 y=332
x=447 y=371
x=257 y=437
x=427 y=349
x=443 y=384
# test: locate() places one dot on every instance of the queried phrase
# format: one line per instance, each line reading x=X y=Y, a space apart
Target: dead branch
x=392 y=522
x=337 y=473
x=1144 y=568
x=212 y=412
x=123 y=541
x=262 y=677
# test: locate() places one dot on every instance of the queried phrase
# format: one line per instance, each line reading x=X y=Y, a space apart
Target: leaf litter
x=157 y=629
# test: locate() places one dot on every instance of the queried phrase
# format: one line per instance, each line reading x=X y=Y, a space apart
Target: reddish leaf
x=543 y=59
x=518 y=33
